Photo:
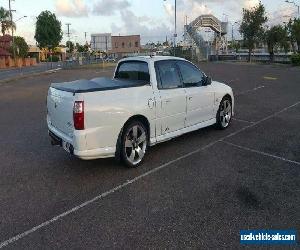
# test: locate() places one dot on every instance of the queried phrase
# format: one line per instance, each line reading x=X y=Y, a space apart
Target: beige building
x=101 y=42
x=123 y=46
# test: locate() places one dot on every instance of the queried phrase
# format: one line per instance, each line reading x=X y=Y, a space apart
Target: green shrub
x=54 y=58
x=295 y=59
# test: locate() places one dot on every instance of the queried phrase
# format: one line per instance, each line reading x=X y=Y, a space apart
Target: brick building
x=116 y=46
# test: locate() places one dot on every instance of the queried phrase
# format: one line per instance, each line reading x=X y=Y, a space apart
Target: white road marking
x=250 y=90
x=53 y=70
x=262 y=153
x=128 y=182
x=103 y=71
x=240 y=120
x=270 y=78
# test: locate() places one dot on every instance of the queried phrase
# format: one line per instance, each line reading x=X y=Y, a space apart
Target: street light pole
x=20 y=18
x=232 y=38
x=175 y=34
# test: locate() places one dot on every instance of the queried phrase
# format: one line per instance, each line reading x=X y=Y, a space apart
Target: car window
x=167 y=75
x=133 y=70
x=191 y=75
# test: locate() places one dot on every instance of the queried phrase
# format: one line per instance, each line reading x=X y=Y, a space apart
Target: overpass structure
x=195 y=39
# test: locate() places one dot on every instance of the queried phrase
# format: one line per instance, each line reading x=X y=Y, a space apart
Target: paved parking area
x=196 y=191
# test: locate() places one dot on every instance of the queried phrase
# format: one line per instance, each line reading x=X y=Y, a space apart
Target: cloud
x=109 y=7
x=194 y=8
x=282 y=15
x=190 y=8
x=250 y=3
x=150 y=29
x=71 y=8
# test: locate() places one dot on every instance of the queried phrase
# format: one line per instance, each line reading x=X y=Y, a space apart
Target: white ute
x=148 y=101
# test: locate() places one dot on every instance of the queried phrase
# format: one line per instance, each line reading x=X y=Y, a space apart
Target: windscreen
x=133 y=70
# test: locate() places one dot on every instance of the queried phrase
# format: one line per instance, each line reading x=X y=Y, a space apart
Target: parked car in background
x=149 y=100
x=110 y=60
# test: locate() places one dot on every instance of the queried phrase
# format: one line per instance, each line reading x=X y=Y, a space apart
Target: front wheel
x=134 y=144
x=224 y=114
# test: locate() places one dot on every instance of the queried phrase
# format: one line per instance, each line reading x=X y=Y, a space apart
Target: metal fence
x=261 y=57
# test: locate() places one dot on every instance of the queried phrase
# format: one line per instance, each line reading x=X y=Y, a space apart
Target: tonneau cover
x=97 y=84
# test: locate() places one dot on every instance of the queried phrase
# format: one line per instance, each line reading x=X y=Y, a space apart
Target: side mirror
x=207 y=81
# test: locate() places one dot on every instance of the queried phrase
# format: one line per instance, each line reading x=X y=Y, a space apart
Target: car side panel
x=200 y=104
x=108 y=111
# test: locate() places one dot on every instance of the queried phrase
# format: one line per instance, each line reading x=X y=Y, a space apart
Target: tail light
x=78 y=115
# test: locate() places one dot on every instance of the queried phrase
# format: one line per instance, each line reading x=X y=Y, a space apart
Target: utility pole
x=85 y=33
x=12 y=29
x=68 y=34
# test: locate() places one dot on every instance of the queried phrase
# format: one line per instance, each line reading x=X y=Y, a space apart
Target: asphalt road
x=196 y=191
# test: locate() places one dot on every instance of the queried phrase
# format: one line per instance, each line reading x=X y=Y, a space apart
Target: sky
x=153 y=20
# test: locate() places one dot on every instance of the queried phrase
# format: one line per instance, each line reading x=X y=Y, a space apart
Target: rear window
x=133 y=70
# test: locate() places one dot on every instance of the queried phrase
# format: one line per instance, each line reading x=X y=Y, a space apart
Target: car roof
x=152 y=58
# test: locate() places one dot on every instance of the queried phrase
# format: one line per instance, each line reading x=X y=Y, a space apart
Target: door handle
x=168 y=101
x=190 y=98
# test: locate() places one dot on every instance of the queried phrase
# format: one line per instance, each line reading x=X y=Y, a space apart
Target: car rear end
x=65 y=119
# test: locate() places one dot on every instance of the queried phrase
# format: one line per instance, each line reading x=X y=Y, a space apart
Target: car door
x=171 y=108
x=200 y=98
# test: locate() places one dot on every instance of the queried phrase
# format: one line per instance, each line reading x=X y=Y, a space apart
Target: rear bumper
x=95 y=153
x=57 y=138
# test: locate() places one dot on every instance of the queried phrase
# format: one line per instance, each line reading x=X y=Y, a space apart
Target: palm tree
x=5 y=22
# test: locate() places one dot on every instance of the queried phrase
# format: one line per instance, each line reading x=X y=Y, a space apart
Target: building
x=123 y=46
x=101 y=42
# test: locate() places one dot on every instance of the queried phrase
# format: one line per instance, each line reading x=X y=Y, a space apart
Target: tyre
x=224 y=114
x=133 y=144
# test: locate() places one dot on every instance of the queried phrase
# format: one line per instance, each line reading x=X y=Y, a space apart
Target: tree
x=5 y=21
x=20 y=46
x=295 y=32
x=82 y=48
x=276 y=37
x=48 y=31
x=235 y=45
x=70 y=46
x=166 y=43
x=252 y=26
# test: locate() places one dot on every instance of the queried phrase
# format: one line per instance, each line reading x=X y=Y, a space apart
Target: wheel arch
x=227 y=95
x=143 y=119
x=231 y=98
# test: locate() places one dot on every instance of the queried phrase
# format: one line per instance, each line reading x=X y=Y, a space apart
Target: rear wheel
x=134 y=144
x=224 y=114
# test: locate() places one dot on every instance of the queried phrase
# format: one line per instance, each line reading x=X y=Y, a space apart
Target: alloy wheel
x=135 y=144
x=225 y=113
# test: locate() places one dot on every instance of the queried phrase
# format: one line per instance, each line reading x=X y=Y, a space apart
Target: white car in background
x=148 y=101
